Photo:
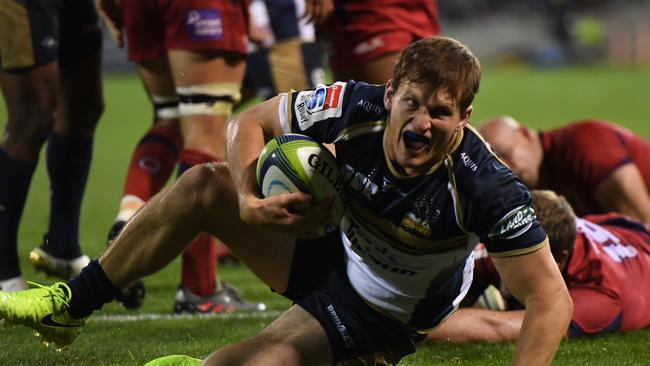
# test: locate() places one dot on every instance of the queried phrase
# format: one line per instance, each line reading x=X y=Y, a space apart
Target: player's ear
x=464 y=117
x=388 y=95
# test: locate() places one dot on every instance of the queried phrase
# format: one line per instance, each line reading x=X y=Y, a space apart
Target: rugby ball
x=296 y=163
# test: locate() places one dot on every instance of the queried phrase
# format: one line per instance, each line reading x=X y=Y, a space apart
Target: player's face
x=421 y=127
x=515 y=148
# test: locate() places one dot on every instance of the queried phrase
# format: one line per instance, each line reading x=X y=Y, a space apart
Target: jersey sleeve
x=594 y=312
x=317 y=113
x=496 y=205
x=594 y=150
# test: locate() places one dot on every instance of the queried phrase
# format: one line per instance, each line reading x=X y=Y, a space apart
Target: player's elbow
x=566 y=305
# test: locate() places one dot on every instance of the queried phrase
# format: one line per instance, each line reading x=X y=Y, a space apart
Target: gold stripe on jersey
x=516 y=252
x=451 y=146
x=399 y=238
x=15 y=36
x=359 y=130
x=458 y=207
x=487 y=144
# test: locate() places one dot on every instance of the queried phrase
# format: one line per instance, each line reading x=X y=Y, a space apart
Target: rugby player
x=191 y=59
x=421 y=188
x=598 y=166
x=604 y=259
x=50 y=61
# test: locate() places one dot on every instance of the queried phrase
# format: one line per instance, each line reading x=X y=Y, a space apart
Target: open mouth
x=414 y=142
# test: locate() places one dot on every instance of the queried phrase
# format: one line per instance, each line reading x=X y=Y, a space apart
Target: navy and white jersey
x=409 y=240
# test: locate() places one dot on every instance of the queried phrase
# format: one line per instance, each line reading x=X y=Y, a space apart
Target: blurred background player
x=284 y=53
x=50 y=54
x=365 y=37
x=597 y=165
x=191 y=59
x=604 y=259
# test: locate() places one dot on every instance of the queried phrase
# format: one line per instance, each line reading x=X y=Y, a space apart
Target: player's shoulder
x=476 y=165
x=583 y=131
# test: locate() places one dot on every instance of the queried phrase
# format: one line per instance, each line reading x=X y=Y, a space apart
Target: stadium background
x=597 y=65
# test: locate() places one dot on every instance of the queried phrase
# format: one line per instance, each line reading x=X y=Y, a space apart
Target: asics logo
x=48 y=321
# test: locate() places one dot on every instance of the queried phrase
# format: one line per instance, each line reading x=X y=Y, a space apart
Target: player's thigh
x=81 y=101
x=81 y=98
x=156 y=76
x=206 y=74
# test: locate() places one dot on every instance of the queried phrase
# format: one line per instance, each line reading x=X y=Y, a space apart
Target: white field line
x=155 y=316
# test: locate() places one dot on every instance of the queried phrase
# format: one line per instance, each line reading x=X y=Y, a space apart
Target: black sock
x=68 y=163
x=90 y=291
x=15 y=178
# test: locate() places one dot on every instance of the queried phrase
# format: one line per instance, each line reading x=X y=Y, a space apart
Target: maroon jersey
x=608 y=275
x=361 y=31
x=581 y=155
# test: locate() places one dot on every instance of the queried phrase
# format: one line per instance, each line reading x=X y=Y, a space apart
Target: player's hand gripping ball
x=296 y=163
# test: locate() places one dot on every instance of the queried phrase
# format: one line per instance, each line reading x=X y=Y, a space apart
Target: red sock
x=199 y=266
x=199 y=261
x=152 y=162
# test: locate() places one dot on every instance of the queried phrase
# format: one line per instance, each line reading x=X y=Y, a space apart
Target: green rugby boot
x=43 y=309
x=174 y=360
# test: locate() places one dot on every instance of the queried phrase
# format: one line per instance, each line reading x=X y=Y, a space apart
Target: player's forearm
x=478 y=325
x=545 y=324
x=245 y=141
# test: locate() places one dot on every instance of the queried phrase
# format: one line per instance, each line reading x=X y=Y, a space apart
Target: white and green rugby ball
x=296 y=163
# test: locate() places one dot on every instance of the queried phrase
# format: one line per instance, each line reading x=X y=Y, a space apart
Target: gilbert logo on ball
x=296 y=163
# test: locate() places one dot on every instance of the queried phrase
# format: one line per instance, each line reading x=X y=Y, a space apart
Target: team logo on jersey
x=416 y=221
x=204 y=24
x=316 y=105
x=513 y=224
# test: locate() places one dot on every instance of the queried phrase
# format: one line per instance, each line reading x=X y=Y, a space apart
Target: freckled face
x=422 y=122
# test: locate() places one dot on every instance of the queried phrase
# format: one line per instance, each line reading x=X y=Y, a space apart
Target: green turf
x=543 y=98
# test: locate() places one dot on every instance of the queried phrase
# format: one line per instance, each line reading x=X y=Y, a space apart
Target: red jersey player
x=598 y=166
x=605 y=261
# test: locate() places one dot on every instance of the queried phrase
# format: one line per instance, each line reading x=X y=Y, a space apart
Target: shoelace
x=56 y=292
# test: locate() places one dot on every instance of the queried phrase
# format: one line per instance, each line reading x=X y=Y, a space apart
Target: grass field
x=542 y=98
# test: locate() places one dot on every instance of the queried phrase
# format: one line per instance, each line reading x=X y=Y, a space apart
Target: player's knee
x=205 y=184
x=24 y=138
x=88 y=117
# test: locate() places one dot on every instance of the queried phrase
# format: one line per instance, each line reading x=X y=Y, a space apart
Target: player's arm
x=111 y=13
x=535 y=280
x=624 y=191
x=478 y=325
x=247 y=135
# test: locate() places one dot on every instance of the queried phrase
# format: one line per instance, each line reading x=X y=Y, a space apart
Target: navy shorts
x=39 y=32
x=319 y=284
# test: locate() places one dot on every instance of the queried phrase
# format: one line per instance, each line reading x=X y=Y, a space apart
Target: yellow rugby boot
x=43 y=309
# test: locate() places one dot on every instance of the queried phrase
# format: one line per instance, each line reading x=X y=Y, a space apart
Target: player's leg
x=207 y=47
x=30 y=98
x=295 y=338
x=70 y=145
x=208 y=89
x=156 y=154
x=202 y=200
x=154 y=158
x=29 y=78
